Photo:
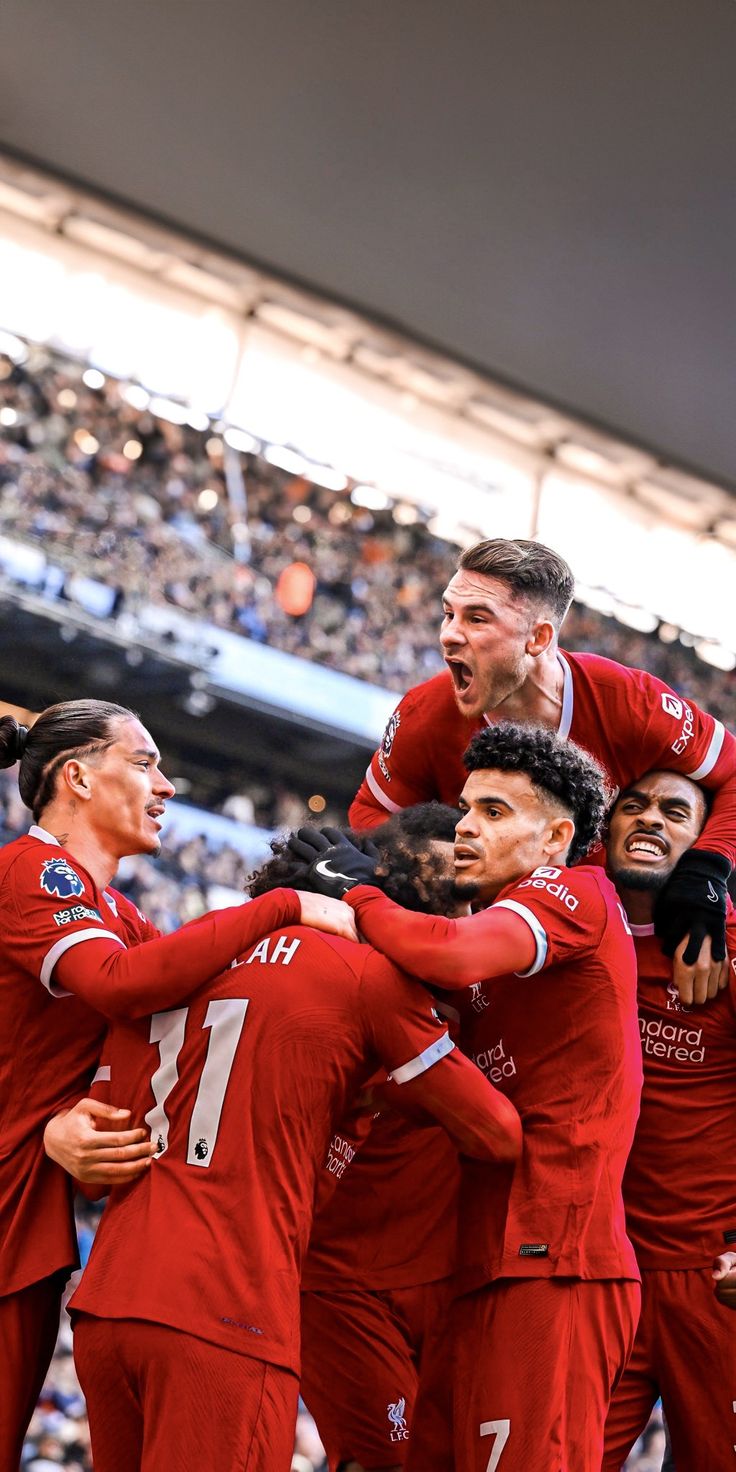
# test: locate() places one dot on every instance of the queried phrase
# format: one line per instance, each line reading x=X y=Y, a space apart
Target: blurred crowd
x=142 y=505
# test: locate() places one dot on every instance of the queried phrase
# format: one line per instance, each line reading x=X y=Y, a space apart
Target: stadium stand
x=130 y=508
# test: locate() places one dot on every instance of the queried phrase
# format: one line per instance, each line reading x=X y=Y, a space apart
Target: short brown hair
x=532 y=570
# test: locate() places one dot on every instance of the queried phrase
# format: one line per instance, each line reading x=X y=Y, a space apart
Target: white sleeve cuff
x=65 y=944
x=425 y=1060
x=537 y=930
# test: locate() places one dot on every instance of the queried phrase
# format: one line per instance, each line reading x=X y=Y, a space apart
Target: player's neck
x=539 y=699
x=638 y=904
x=84 y=845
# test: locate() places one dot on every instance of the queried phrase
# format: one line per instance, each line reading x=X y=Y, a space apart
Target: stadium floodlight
x=370 y=497
x=239 y=439
x=286 y=459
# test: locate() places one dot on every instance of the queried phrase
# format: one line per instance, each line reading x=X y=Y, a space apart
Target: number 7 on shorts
x=501 y=1430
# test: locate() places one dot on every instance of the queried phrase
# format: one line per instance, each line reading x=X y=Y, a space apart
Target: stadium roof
x=545 y=191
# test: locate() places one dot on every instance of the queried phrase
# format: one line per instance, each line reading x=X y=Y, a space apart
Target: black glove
x=335 y=864
x=693 y=902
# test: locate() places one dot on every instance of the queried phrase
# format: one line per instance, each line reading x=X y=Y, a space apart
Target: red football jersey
x=680 y=1182
x=48 y=904
x=242 y=1089
x=562 y=1042
x=391 y=1221
x=629 y=720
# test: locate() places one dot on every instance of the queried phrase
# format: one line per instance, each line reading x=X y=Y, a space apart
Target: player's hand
x=90 y=1142
x=692 y=905
x=698 y=982
x=320 y=912
x=724 y=1276
x=335 y=863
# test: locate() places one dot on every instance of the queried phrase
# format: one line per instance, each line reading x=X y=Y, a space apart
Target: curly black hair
x=555 y=768
x=409 y=870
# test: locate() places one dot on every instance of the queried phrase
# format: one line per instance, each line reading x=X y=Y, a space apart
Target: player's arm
x=425 y=1065
x=448 y=953
x=160 y=973
x=67 y=945
x=480 y=1121
x=396 y=776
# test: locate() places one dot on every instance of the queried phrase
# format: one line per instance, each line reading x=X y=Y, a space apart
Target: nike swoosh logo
x=323 y=869
x=712 y=894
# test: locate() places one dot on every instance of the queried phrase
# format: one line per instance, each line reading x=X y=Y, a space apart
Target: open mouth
x=646 y=846
x=463 y=855
x=156 y=812
x=462 y=675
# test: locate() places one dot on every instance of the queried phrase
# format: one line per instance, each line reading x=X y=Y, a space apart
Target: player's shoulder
x=434 y=696
x=604 y=673
x=46 y=866
x=561 y=897
x=124 y=908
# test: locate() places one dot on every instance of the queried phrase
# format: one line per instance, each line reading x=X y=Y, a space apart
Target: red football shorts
x=536 y=1360
x=685 y=1351
x=363 y=1354
x=162 y=1401
x=29 y=1324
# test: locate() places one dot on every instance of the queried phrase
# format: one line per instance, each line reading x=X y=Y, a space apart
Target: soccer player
x=680 y=1185
x=502 y=614
x=376 y=1279
x=548 y=1277
x=72 y=948
x=186 y=1320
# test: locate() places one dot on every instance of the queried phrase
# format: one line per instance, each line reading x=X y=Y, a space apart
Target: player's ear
x=541 y=635
x=74 y=780
x=560 y=835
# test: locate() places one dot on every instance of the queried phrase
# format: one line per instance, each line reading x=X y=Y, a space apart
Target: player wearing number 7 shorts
x=186 y=1321
x=545 y=981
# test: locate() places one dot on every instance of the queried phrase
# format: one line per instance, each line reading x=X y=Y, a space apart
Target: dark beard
x=463 y=892
x=641 y=879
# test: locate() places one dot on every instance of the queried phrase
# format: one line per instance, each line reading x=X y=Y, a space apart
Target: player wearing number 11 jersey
x=187 y=1316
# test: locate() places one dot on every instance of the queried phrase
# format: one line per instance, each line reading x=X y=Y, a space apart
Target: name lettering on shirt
x=282 y=951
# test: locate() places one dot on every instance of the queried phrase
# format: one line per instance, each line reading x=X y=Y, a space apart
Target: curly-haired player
x=545 y=979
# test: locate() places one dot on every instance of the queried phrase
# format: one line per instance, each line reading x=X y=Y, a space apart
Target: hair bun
x=20 y=740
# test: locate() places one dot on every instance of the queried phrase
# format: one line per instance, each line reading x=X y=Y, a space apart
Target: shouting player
x=680 y=1186
x=548 y=1277
x=71 y=948
x=502 y=614
x=187 y=1315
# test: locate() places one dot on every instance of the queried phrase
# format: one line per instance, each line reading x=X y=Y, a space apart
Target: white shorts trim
x=102 y=1075
x=537 y=930
x=65 y=944
x=392 y=807
x=425 y=1060
x=711 y=755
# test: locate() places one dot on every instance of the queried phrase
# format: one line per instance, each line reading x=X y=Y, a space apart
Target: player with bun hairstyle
x=73 y=951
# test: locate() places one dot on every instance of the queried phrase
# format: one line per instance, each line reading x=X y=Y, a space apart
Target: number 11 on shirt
x=225 y=1017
